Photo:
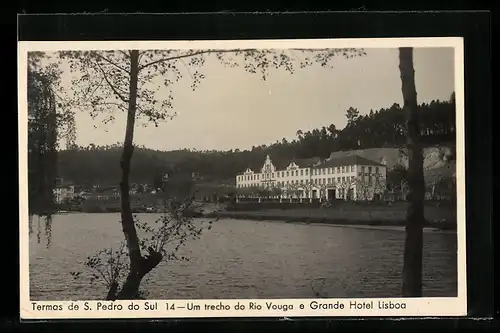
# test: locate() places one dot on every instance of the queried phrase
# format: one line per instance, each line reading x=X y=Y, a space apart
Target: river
x=244 y=259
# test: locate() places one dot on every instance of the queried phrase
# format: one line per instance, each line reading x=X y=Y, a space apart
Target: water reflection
x=246 y=259
x=30 y=225
x=47 y=229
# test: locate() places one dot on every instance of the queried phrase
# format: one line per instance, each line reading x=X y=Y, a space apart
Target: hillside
x=435 y=163
x=363 y=135
x=101 y=166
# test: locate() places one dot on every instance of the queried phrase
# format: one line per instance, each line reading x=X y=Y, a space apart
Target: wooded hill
x=379 y=134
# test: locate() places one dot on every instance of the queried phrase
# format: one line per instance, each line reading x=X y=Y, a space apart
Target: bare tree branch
x=115 y=91
x=113 y=63
x=124 y=53
x=187 y=55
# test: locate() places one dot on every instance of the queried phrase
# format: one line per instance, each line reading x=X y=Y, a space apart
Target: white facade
x=64 y=193
x=348 y=177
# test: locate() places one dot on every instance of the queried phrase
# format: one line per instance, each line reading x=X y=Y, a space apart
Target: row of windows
x=317 y=181
x=314 y=172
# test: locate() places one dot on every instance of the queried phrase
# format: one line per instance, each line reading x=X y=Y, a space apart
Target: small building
x=63 y=193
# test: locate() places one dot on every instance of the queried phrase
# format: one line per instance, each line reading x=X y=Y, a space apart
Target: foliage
x=42 y=145
x=96 y=164
x=139 y=83
x=166 y=235
x=101 y=87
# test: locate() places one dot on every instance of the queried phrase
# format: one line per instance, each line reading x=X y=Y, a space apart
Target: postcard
x=242 y=178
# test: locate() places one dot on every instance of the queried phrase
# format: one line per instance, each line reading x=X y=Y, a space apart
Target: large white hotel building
x=350 y=177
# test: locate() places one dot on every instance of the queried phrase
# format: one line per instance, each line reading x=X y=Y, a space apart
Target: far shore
x=346 y=215
x=386 y=224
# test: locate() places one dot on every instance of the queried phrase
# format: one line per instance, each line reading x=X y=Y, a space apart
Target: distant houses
x=350 y=177
x=63 y=193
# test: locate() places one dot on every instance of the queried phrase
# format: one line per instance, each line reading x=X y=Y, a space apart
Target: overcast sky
x=233 y=109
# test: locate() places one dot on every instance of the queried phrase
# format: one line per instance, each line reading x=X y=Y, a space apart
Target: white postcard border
x=414 y=306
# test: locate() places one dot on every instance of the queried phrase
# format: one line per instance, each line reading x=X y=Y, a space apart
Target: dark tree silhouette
x=412 y=267
x=124 y=80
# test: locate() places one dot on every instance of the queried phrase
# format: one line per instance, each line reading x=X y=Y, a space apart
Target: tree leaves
x=101 y=86
x=106 y=83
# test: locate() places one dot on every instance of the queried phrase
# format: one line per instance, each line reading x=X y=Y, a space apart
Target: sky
x=233 y=109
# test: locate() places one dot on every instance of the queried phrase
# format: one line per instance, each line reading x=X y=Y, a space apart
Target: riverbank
x=330 y=216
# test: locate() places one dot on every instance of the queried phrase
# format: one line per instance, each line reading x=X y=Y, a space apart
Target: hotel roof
x=347 y=160
x=318 y=162
x=307 y=162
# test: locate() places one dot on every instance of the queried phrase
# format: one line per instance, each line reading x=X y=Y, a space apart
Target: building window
x=287 y=182
x=362 y=169
x=287 y=173
x=352 y=168
x=376 y=169
x=343 y=179
x=301 y=172
x=324 y=171
x=333 y=180
x=302 y=181
x=338 y=169
x=272 y=175
x=329 y=180
x=278 y=174
x=369 y=170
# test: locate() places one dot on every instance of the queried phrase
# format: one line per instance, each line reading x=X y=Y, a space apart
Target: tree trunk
x=412 y=266
x=139 y=266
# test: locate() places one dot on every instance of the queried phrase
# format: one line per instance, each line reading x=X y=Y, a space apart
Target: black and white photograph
x=242 y=170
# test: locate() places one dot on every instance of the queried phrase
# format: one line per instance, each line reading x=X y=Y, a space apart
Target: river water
x=244 y=259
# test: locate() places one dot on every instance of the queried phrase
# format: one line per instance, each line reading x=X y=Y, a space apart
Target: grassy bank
x=348 y=214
